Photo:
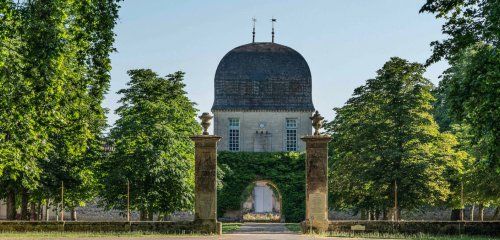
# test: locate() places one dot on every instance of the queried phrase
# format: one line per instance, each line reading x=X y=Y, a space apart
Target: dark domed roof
x=263 y=76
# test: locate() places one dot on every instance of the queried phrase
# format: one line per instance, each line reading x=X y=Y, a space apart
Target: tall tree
x=78 y=139
x=152 y=148
x=63 y=60
x=470 y=87
x=22 y=137
x=467 y=22
x=388 y=152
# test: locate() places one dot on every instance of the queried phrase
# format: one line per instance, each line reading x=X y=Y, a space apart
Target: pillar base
x=209 y=226
x=316 y=226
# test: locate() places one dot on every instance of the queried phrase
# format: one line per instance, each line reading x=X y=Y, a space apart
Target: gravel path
x=262 y=228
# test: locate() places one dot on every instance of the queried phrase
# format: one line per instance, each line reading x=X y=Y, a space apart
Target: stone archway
x=262 y=202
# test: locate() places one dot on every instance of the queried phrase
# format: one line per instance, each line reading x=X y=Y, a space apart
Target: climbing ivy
x=286 y=170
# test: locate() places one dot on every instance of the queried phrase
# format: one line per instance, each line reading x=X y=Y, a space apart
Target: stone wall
x=490 y=228
x=161 y=227
x=425 y=214
x=252 y=136
x=3 y=210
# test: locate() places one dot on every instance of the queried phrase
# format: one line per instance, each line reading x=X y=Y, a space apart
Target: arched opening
x=262 y=202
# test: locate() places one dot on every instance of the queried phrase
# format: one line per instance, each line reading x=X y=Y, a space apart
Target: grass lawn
x=405 y=236
x=52 y=235
x=294 y=227
x=230 y=227
x=226 y=228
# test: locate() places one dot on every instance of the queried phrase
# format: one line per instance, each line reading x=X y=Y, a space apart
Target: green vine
x=286 y=170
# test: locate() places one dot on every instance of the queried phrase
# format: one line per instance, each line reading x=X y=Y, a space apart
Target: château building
x=262 y=99
x=262 y=103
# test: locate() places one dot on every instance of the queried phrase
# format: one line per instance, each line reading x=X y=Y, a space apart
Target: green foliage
x=294 y=227
x=385 y=134
x=54 y=64
x=21 y=136
x=152 y=146
x=230 y=227
x=467 y=22
x=472 y=89
x=284 y=169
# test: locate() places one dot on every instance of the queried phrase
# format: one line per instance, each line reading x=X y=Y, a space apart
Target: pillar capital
x=205 y=140
x=316 y=139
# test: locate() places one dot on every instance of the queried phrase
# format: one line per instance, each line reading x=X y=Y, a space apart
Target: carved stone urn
x=317 y=122
x=206 y=120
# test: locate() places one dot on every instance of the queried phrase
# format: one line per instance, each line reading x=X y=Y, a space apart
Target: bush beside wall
x=160 y=227
x=490 y=228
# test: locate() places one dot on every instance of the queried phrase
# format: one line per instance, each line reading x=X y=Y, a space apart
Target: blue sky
x=344 y=42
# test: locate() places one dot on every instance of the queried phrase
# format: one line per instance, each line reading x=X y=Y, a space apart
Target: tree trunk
x=73 y=214
x=472 y=212
x=455 y=214
x=11 y=204
x=363 y=215
x=481 y=212
x=47 y=217
x=396 y=206
x=40 y=210
x=377 y=214
x=24 y=205
x=497 y=212
x=33 y=211
x=142 y=215
x=150 y=216
x=384 y=214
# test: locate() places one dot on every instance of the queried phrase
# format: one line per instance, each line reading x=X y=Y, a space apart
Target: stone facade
x=261 y=131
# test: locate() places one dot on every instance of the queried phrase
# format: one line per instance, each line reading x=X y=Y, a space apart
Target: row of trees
x=398 y=144
x=401 y=143
x=54 y=72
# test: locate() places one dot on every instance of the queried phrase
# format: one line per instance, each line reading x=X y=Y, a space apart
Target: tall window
x=291 y=134
x=234 y=134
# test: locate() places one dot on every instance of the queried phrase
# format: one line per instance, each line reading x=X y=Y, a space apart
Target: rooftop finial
x=253 y=32
x=273 y=20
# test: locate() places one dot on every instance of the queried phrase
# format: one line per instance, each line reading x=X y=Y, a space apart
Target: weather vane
x=273 y=20
x=254 y=20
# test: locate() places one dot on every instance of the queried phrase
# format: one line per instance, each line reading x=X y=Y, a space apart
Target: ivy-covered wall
x=285 y=169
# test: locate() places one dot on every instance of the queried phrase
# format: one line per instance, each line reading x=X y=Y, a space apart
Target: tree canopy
x=386 y=142
x=469 y=91
x=152 y=148
x=467 y=22
x=55 y=71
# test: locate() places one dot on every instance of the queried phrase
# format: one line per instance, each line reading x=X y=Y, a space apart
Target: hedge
x=286 y=170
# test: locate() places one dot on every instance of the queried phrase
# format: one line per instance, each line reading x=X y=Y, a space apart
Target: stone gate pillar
x=206 y=179
x=316 y=178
